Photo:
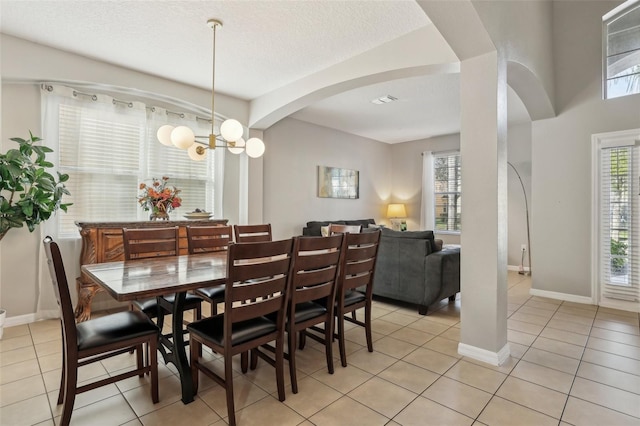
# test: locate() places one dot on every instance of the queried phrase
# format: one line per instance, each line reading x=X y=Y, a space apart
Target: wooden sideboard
x=102 y=242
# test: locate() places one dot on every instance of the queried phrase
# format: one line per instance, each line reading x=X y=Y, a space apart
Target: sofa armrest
x=442 y=275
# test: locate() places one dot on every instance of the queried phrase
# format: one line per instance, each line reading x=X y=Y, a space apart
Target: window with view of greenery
x=616 y=213
x=621 y=50
x=620 y=212
x=447 y=192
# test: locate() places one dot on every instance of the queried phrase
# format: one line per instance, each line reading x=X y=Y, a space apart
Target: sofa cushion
x=314 y=228
x=362 y=222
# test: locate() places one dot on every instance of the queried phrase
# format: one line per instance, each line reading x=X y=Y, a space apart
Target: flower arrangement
x=159 y=197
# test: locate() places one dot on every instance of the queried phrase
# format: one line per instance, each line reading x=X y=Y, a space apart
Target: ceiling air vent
x=384 y=100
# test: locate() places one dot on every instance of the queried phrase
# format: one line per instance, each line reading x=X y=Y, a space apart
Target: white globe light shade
x=164 y=134
x=255 y=147
x=240 y=143
x=183 y=137
x=197 y=152
x=231 y=130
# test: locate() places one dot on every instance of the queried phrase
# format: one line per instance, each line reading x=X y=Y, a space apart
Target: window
x=616 y=217
x=447 y=193
x=108 y=147
x=621 y=50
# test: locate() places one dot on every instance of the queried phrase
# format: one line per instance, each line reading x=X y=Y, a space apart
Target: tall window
x=108 y=147
x=621 y=50
x=447 y=192
x=618 y=213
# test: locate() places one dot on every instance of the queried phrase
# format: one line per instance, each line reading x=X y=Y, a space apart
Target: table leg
x=86 y=292
x=180 y=354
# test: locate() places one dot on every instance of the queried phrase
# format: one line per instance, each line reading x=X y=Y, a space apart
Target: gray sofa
x=412 y=267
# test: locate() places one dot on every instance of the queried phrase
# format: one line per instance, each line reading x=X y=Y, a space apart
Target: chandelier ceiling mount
x=231 y=131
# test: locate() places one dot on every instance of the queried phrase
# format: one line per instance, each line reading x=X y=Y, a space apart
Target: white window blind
x=100 y=149
x=447 y=192
x=193 y=178
x=619 y=223
x=621 y=50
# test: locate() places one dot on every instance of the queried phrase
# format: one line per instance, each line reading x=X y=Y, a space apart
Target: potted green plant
x=28 y=193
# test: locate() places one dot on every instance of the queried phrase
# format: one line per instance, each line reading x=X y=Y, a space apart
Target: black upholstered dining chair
x=314 y=277
x=97 y=339
x=207 y=239
x=256 y=287
x=144 y=243
x=355 y=285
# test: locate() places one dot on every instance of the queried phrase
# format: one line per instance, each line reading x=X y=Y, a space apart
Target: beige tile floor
x=570 y=364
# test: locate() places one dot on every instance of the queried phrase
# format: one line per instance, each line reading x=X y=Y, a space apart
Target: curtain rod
x=94 y=97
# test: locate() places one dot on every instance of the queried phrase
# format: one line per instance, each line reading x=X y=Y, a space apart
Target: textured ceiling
x=263 y=46
x=431 y=102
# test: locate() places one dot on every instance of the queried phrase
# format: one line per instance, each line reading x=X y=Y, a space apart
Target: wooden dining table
x=143 y=278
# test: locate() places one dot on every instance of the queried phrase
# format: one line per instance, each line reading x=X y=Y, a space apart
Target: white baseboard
x=493 y=358
x=516 y=268
x=563 y=296
x=19 y=320
x=29 y=318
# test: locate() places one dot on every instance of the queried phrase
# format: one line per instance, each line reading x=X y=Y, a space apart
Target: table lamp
x=395 y=212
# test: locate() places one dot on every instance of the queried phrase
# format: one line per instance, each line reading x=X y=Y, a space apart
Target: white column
x=483 y=148
x=255 y=184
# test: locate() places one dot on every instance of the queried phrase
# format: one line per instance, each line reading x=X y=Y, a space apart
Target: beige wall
x=19 y=248
x=561 y=151
x=296 y=148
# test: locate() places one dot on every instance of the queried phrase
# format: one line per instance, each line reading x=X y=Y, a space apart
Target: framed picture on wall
x=334 y=182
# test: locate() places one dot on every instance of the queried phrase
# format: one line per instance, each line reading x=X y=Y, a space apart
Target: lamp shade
x=238 y=148
x=231 y=130
x=255 y=147
x=183 y=137
x=164 y=134
x=197 y=152
x=396 y=210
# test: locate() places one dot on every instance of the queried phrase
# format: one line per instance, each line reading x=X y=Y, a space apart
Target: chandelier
x=231 y=130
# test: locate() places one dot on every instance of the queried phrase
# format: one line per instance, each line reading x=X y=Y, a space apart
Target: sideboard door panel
x=111 y=242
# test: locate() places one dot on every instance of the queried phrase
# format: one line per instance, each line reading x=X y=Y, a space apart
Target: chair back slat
x=356 y=281
x=252 y=233
x=205 y=239
x=254 y=289
x=358 y=252
x=256 y=271
x=150 y=242
x=259 y=307
x=318 y=259
x=359 y=267
x=317 y=276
